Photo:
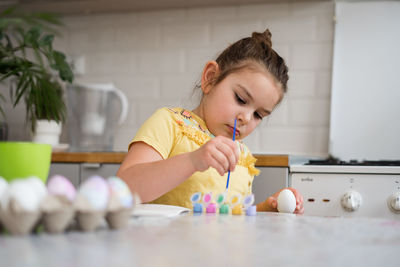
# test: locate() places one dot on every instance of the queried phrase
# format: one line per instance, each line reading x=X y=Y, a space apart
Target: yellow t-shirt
x=173 y=131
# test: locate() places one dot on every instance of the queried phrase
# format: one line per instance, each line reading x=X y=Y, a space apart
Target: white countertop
x=268 y=239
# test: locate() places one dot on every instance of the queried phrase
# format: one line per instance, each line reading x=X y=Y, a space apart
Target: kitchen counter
x=268 y=239
x=117 y=157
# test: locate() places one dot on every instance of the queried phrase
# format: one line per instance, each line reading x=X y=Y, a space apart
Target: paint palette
x=237 y=205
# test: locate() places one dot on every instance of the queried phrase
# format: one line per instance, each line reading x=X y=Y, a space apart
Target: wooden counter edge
x=272 y=160
x=118 y=157
x=89 y=157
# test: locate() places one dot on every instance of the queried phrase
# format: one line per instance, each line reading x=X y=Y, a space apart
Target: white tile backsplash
x=311 y=56
x=156 y=58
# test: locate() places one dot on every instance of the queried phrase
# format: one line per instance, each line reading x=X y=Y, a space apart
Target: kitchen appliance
x=94 y=112
x=348 y=188
x=364 y=124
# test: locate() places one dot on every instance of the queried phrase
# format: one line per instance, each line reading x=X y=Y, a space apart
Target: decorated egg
x=120 y=190
x=286 y=201
x=60 y=185
x=95 y=189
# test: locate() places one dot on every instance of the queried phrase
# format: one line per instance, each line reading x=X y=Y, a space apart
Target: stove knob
x=393 y=202
x=351 y=201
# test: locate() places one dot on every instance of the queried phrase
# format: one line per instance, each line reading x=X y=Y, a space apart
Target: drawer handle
x=91 y=165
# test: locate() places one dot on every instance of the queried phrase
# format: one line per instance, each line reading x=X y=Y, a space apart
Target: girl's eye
x=257 y=116
x=239 y=99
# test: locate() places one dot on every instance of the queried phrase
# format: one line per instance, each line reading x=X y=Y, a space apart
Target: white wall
x=156 y=58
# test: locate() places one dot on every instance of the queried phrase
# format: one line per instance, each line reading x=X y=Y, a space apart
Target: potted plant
x=33 y=69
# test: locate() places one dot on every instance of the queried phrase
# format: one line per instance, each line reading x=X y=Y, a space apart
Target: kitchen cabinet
x=79 y=166
x=270 y=180
x=69 y=170
x=77 y=173
x=104 y=170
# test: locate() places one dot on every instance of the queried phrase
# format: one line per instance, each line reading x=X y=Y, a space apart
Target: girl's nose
x=244 y=117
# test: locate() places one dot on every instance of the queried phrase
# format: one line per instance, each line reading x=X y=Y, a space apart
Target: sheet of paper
x=158 y=210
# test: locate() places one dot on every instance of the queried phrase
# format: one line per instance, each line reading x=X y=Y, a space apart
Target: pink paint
x=211 y=208
x=207 y=198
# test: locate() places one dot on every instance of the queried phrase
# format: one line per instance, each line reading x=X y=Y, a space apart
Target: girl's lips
x=237 y=132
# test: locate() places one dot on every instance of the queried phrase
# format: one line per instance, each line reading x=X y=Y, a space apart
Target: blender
x=95 y=110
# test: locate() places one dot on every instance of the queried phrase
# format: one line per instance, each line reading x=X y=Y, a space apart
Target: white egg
x=286 y=201
x=3 y=189
x=3 y=186
x=37 y=185
x=24 y=193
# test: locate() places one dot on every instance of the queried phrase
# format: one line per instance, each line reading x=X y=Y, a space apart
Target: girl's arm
x=151 y=176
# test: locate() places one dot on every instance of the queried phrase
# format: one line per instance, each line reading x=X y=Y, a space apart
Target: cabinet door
x=103 y=170
x=69 y=170
x=270 y=180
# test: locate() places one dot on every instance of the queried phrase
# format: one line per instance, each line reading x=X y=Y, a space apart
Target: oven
x=348 y=189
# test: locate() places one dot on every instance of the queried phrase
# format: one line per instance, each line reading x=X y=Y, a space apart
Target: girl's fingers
x=229 y=155
x=220 y=153
x=271 y=202
x=214 y=163
x=220 y=160
x=299 y=211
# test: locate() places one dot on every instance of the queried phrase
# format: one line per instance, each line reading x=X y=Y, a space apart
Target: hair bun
x=264 y=38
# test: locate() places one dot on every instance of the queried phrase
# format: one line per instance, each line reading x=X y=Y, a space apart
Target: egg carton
x=26 y=204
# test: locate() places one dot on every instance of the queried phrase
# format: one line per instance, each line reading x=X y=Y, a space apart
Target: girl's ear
x=210 y=72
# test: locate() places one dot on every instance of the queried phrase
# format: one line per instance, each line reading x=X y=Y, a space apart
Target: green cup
x=23 y=159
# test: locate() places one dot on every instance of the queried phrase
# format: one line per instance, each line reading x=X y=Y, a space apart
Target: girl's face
x=246 y=95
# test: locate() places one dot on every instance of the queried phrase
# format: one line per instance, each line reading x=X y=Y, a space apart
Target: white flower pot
x=47 y=132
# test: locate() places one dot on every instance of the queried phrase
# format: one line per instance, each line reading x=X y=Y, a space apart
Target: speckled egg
x=60 y=185
x=96 y=190
x=120 y=190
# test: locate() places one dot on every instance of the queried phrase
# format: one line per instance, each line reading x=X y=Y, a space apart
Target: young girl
x=178 y=152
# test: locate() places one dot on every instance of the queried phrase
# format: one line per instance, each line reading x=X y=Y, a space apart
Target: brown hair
x=250 y=50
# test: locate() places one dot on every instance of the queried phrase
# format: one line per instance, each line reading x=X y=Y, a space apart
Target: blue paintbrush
x=229 y=172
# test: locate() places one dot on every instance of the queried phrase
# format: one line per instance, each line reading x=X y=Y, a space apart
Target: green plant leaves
x=30 y=77
x=31 y=38
x=47 y=41
x=62 y=66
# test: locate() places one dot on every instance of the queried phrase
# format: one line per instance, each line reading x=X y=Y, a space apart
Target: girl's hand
x=271 y=204
x=220 y=152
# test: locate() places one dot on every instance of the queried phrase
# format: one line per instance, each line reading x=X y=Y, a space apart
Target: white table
x=268 y=239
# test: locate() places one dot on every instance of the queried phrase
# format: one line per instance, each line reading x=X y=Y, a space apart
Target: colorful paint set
x=235 y=206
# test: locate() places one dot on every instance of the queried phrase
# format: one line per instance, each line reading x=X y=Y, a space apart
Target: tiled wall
x=156 y=58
